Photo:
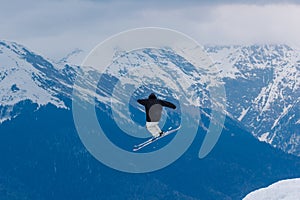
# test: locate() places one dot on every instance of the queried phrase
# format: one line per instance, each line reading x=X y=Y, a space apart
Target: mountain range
x=43 y=157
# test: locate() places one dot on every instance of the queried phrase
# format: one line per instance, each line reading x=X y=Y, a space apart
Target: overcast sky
x=54 y=28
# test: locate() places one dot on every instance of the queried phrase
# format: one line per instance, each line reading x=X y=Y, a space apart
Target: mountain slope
x=263 y=90
x=27 y=76
x=53 y=164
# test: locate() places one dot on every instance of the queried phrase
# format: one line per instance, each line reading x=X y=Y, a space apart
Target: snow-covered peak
x=11 y=46
x=166 y=68
x=283 y=190
x=25 y=75
x=234 y=61
x=75 y=57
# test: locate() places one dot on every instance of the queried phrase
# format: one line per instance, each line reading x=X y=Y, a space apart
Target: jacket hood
x=152 y=96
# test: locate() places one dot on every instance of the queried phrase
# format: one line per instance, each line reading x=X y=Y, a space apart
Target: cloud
x=238 y=24
x=54 y=28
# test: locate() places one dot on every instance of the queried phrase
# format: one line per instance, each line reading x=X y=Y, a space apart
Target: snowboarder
x=153 y=107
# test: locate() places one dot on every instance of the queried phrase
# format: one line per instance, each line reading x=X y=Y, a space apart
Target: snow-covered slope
x=135 y=74
x=163 y=68
x=282 y=190
x=263 y=90
x=25 y=75
x=20 y=80
x=75 y=57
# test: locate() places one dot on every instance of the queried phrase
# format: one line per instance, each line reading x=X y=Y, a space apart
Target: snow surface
x=282 y=190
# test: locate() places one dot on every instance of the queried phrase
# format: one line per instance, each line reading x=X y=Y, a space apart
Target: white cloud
x=255 y=24
x=54 y=28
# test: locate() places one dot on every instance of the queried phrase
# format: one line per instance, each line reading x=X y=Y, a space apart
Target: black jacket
x=154 y=106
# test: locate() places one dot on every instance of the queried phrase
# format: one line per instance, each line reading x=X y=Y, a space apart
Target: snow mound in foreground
x=282 y=190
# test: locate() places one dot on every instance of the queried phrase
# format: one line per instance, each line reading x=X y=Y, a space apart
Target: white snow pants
x=153 y=128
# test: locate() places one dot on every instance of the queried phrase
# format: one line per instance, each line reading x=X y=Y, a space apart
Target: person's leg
x=153 y=128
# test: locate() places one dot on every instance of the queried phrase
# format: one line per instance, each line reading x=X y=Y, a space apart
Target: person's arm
x=167 y=104
x=142 y=101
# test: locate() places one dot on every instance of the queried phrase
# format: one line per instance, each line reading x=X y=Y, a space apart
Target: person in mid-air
x=153 y=107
